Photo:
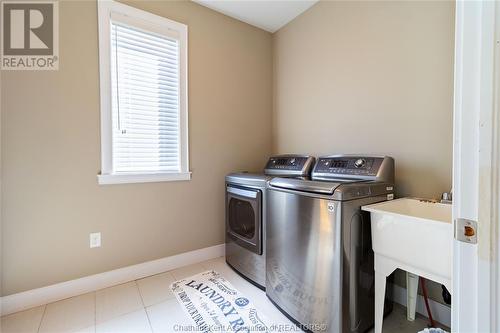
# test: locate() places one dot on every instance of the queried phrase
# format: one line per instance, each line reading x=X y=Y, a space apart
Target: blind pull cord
x=120 y=127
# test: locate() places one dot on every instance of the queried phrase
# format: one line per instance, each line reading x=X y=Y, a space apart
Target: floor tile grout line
x=149 y=320
x=122 y=315
x=41 y=319
x=143 y=305
x=125 y=313
x=140 y=294
x=95 y=311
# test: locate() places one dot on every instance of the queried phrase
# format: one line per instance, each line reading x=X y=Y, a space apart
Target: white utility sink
x=416 y=232
x=414 y=235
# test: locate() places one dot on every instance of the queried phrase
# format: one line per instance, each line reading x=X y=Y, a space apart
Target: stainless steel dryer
x=319 y=255
x=246 y=214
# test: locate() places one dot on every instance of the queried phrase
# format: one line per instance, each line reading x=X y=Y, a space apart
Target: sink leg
x=411 y=295
x=380 y=281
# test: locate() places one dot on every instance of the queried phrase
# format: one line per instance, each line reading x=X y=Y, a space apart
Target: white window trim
x=107 y=8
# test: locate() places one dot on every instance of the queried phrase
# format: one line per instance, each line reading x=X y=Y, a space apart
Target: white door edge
x=495 y=212
x=475 y=165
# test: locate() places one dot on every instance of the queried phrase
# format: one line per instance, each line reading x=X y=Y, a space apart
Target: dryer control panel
x=289 y=165
x=354 y=167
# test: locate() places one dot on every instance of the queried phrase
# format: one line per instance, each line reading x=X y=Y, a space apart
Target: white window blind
x=145 y=101
x=143 y=82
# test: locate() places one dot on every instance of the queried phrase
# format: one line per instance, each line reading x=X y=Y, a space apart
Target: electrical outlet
x=95 y=239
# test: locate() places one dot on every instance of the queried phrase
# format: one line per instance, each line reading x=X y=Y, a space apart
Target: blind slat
x=141 y=34
x=167 y=54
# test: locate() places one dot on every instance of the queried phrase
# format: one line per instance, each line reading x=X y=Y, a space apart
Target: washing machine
x=319 y=259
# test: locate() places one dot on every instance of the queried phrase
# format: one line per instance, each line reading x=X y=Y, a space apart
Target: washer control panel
x=289 y=165
x=348 y=166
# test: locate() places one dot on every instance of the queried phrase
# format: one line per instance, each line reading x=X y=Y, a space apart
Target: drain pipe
x=426 y=300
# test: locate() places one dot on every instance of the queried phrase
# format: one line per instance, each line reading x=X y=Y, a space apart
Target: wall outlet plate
x=95 y=239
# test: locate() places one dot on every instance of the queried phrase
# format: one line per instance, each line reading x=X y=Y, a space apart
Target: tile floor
x=147 y=305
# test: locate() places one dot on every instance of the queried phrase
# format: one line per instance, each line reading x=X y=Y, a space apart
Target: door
x=244 y=217
x=475 y=288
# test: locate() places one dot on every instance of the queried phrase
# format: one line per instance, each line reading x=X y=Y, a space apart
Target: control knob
x=359 y=163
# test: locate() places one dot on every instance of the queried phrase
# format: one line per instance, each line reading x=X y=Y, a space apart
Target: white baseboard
x=440 y=312
x=35 y=297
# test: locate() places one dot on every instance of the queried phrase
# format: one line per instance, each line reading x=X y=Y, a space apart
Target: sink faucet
x=447 y=197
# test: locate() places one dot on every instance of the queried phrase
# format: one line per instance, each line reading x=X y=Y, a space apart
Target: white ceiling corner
x=269 y=15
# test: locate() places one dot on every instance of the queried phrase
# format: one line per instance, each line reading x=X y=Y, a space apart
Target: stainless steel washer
x=246 y=214
x=319 y=255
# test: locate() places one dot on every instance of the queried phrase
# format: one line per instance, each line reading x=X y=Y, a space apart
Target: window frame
x=160 y=25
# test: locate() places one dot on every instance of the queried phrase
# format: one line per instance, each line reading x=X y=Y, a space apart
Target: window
x=143 y=82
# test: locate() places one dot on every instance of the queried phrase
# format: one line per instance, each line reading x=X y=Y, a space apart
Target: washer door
x=244 y=217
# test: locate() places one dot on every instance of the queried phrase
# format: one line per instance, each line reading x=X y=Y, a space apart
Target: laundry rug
x=214 y=305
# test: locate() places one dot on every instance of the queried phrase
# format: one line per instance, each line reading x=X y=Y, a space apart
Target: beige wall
x=51 y=152
x=370 y=77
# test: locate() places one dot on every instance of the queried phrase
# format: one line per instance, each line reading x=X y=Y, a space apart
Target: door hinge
x=466 y=231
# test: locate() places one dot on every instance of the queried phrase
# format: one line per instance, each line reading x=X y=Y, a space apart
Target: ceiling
x=264 y=14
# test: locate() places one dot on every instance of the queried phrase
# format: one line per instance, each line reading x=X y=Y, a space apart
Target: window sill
x=108 y=179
